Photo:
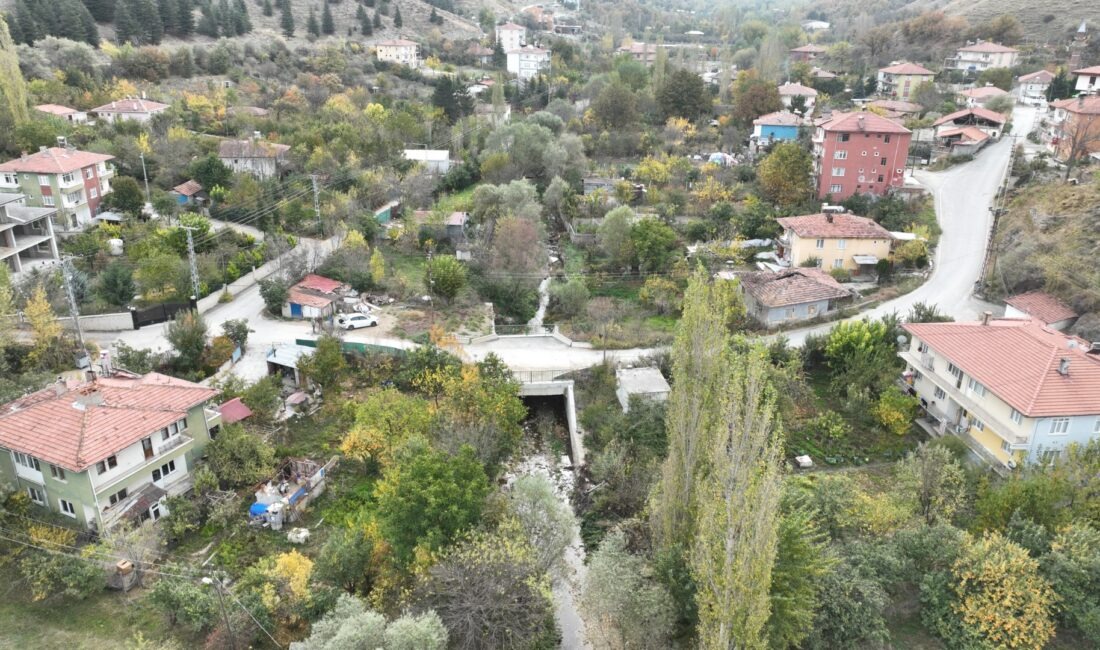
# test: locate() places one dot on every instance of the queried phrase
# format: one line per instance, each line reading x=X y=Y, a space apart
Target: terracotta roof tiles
x=907 y=68
x=977 y=111
x=846 y=226
x=862 y=121
x=988 y=48
x=54 y=160
x=1041 y=306
x=792 y=287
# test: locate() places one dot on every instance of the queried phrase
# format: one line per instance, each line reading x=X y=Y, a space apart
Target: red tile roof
x=972 y=133
x=131 y=106
x=1018 y=361
x=861 y=122
x=397 y=42
x=897 y=106
x=54 y=160
x=907 y=68
x=984 y=92
x=511 y=27
x=796 y=89
x=1087 y=105
x=190 y=188
x=988 y=48
x=78 y=424
x=234 y=411
x=792 y=287
x=810 y=49
x=1041 y=306
x=308 y=298
x=56 y=109
x=842 y=226
x=977 y=111
x=1042 y=76
x=779 y=118
x=1088 y=71
x=319 y=283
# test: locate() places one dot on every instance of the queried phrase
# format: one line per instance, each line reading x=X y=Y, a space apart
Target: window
x=1005 y=447
x=841 y=244
x=833 y=189
x=164 y=470
x=922 y=347
x=1059 y=426
x=67 y=179
x=57 y=472
x=887 y=139
x=1018 y=417
x=10 y=179
x=67 y=507
x=880 y=178
x=28 y=461
x=976 y=387
x=842 y=137
x=75 y=197
x=837 y=263
x=1096 y=427
x=117 y=496
x=106 y=464
x=883 y=162
x=820 y=243
x=864 y=154
x=43 y=180
x=91 y=170
x=811 y=310
x=978 y=424
x=36 y=495
x=955 y=371
x=47 y=200
x=789 y=314
x=93 y=192
x=939 y=394
x=838 y=171
x=840 y=155
x=917 y=376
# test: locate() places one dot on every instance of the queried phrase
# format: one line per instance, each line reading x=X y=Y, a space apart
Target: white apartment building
x=528 y=62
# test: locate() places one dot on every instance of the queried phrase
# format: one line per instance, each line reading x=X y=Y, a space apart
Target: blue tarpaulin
x=257 y=509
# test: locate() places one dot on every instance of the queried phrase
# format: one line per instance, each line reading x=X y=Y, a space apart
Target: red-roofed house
x=1014 y=390
x=983 y=55
x=1041 y=306
x=898 y=81
x=807 y=52
x=1088 y=79
x=991 y=122
x=314 y=296
x=963 y=141
x=139 y=110
x=1074 y=128
x=1033 y=87
x=835 y=240
x=109 y=449
x=790 y=90
x=234 y=411
x=64 y=112
x=399 y=50
x=859 y=153
x=790 y=295
x=68 y=179
x=980 y=95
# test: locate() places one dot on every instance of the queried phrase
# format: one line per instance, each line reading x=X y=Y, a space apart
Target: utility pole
x=431 y=288
x=225 y=613
x=317 y=203
x=74 y=310
x=145 y=175
x=191 y=259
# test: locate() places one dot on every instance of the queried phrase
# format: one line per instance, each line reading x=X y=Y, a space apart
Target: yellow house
x=400 y=51
x=835 y=240
x=901 y=79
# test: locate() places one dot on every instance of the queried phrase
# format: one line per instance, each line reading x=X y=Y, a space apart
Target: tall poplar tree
x=327 y=24
x=13 y=89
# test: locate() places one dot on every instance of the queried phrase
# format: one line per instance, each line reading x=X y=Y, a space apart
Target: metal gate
x=159 y=313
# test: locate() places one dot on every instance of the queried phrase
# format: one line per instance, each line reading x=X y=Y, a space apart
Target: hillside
x=1048 y=240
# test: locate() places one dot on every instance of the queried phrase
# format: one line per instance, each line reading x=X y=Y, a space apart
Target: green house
x=107 y=450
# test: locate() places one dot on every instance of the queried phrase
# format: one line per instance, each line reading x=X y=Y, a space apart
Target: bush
x=569 y=299
x=841 y=275
x=274 y=291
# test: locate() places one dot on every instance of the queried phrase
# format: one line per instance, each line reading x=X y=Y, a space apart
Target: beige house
x=900 y=80
x=400 y=51
x=983 y=55
x=835 y=240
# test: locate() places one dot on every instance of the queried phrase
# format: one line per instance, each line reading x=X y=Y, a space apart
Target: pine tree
x=185 y=18
x=29 y=31
x=369 y=3
x=167 y=11
x=102 y=10
x=327 y=26
x=13 y=91
x=226 y=26
x=312 y=26
x=268 y=9
x=126 y=28
x=208 y=24
x=150 y=21
x=286 y=22
x=397 y=17
x=500 y=59
x=377 y=20
x=241 y=22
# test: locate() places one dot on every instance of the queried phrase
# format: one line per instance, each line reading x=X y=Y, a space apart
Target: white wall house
x=399 y=51
x=528 y=62
x=436 y=161
x=511 y=36
x=1033 y=87
x=138 y=110
x=257 y=157
x=1088 y=79
x=983 y=55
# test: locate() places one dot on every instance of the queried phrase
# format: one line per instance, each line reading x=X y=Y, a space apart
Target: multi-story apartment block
x=1015 y=391
x=1074 y=127
x=511 y=36
x=400 y=51
x=859 y=153
x=528 y=62
x=983 y=55
x=109 y=449
x=1033 y=87
x=65 y=178
x=26 y=234
x=900 y=80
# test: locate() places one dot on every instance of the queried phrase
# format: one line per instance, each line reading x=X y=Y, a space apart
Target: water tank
x=114 y=246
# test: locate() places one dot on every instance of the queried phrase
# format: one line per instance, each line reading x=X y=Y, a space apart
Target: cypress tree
x=102 y=10
x=397 y=17
x=377 y=20
x=327 y=26
x=240 y=17
x=287 y=22
x=13 y=91
x=268 y=9
x=185 y=18
x=312 y=27
x=150 y=22
x=225 y=19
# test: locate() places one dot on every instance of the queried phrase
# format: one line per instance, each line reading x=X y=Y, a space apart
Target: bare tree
x=1080 y=131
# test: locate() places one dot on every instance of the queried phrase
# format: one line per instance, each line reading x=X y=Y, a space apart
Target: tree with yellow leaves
x=282 y=584
x=377 y=266
x=46 y=330
x=384 y=421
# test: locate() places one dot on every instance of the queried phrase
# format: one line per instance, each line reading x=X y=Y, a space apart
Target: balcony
x=174 y=442
x=76 y=179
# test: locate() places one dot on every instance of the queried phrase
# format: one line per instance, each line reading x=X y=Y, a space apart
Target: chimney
x=1063 y=367
x=862 y=124
x=42 y=149
x=986 y=315
x=829 y=217
x=62 y=142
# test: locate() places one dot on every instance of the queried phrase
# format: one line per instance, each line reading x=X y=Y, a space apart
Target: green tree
x=346 y=559
x=313 y=28
x=1073 y=568
x=614 y=236
x=240 y=458
x=286 y=23
x=274 y=290
x=683 y=94
x=327 y=365
x=427 y=498
x=187 y=335
x=445 y=277
x=895 y=410
x=377 y=266
x=570 y=298
x=211 y=172
x=654 y=244
x=13 y=92
x=753 y=97
x=802 y=560
x=126 y=195
x=547 y=523
x=616 y=107
x=237 y=330
x=933 y=482
x=186 y=602
x=48 y=351
x=397 y=23
x=264 y=399
x=328 y=27
x=785 y=175
x=116 y=284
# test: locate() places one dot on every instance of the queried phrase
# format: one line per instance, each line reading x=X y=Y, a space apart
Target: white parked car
x=355 y=321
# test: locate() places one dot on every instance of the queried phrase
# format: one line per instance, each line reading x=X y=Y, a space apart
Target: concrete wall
x=116 y=322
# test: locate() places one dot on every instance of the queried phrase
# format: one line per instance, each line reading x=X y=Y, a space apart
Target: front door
x=147 y=447
x=295 y=310
x=154 y=511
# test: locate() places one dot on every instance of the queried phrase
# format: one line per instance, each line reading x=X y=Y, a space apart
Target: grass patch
x=574 y=258
x=623 y=290
x=458 y=202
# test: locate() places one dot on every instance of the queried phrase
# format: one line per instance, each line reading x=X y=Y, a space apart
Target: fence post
x=134 y=318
